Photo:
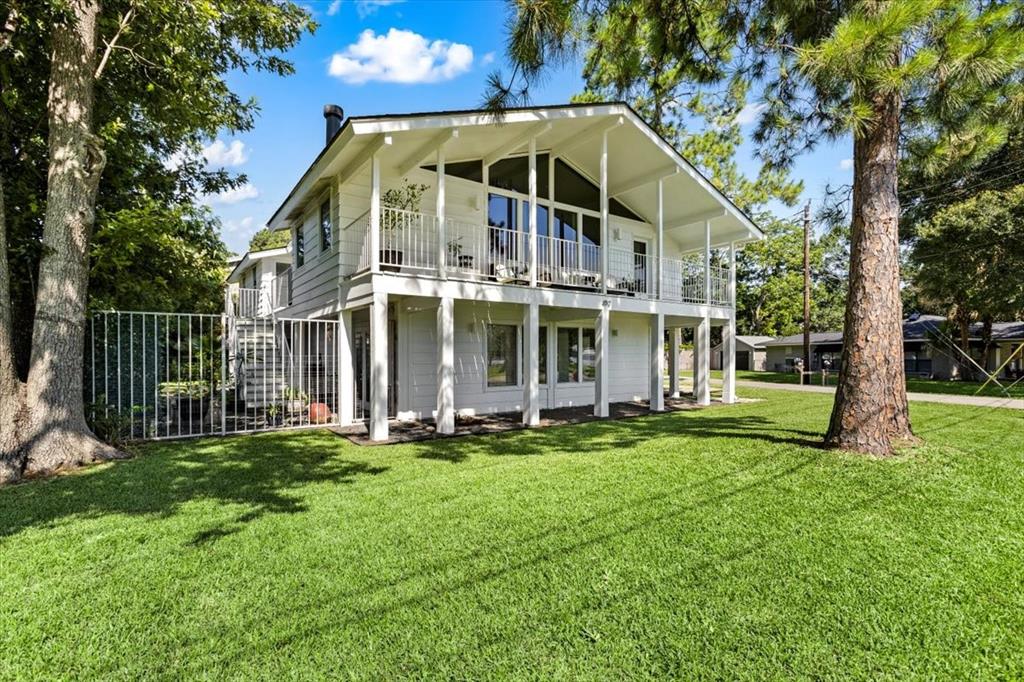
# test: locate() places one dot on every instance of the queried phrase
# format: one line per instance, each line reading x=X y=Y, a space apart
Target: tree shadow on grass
x=260 y=473
x=611 y=434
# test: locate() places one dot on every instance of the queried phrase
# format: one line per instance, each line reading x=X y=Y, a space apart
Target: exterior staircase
x=261 y=367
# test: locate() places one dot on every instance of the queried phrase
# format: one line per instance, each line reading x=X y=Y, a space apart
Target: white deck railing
x=563 y=262
x=249 y=302
x=410 y=243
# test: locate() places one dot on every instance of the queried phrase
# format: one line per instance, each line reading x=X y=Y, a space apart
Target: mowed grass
x=914 y=384
x=718 y=543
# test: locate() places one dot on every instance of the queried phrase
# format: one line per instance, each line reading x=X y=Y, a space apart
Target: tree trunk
x=11 y=394
x=963 y=325
x=56 y=435
x=870 y=412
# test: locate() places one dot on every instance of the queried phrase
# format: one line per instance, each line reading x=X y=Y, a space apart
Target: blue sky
x=387 y=56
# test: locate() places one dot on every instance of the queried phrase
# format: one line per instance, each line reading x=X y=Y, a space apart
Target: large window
x=576 y=354
x=326 y=226
x=502 y=212
x=502 y=355
x=542 y=356
x=568 y=354
x=300 y=246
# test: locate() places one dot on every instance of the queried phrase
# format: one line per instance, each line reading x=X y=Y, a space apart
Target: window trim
x=300 y=228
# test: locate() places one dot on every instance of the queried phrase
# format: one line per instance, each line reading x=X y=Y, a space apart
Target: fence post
x=223 y=374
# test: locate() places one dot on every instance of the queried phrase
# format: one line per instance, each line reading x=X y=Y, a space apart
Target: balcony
x=261 y=301
x=411 y=244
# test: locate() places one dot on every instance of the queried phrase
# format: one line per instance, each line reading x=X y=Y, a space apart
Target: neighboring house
x=260 y=282
x=552 y=250
x=930 y=348
x=750 y=353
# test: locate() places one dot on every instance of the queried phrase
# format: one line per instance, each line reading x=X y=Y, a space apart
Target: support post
x=346 y=375
x=602 y=363
x=675 y=339
x=702 y=362
x=531 y=366
x=707 y=262
x=604 y=212
x=659 y=249
x=379 y=366
x=532 y=218
x=442 y=239
x=374 y=214
x=445 y=419
x=657 y=398
x=729 y=336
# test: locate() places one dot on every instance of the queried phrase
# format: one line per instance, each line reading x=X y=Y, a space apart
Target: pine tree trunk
x=56 y=435
x=870 y=412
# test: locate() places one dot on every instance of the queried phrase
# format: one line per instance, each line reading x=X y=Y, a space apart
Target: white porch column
x=346 y=375
x=707 y=262
x=531 y=366
x=445 y=419
x=604 y=212
x=675 y=339
x=729 y=336
x=657 y=362
x=532 y=218
x=374 y=244
x=659 y=237
x=702 y=362
x=602 y=364
x=442 y=240
x=379 y=366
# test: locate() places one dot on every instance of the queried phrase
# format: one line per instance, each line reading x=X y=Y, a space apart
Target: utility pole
x=807 y=290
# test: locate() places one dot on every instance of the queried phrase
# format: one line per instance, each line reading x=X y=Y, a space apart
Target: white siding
x=418 y=362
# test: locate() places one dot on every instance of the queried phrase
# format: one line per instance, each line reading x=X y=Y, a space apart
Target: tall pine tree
x=941 y=77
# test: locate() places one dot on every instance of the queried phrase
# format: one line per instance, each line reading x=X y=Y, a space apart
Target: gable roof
x=251 y=257
x=637 y=154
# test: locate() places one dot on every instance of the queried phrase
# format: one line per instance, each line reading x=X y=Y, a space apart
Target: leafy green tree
x=96 y=99
x=941 y=78
x=770 y=282
x=156 y=257
x=969 y=260
x=265 y=238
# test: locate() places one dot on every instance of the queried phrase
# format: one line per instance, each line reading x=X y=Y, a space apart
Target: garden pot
x=319 y=413
x=294 y=406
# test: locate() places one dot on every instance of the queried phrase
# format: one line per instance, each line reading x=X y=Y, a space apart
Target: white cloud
x=233 y=196
x=244 y=225
x=846 y=164
x=487 y=58
x=365 y=8
x=333 y=8
x=749 y=113
x=217 y=153
x=400 y=57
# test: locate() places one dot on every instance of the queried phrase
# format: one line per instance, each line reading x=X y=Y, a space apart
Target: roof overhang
x=639 y=160
x=251 y=257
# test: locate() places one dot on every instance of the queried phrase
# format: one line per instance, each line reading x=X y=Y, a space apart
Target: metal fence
x=176 y=375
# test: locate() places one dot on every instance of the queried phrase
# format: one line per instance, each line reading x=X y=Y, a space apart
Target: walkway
x=949 y=399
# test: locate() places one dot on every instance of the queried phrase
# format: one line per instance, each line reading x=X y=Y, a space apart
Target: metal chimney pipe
x=333 y=116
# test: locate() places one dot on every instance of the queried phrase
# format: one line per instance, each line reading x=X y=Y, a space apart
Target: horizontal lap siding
x=628 y=372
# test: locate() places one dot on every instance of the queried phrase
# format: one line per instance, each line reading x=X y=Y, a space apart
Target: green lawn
x=718 y=543
x=913 y=384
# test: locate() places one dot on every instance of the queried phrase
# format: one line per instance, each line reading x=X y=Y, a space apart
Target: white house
x=550 y=252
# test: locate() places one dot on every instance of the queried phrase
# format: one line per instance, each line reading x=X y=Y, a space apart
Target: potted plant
x=456 y=257
x=294 y=400
x=274 y=414
x=405 y=198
